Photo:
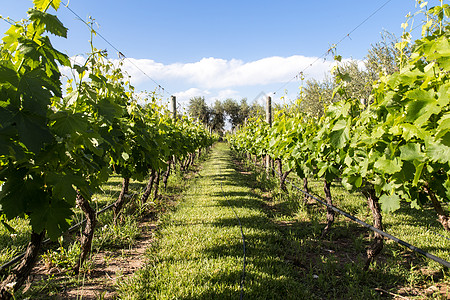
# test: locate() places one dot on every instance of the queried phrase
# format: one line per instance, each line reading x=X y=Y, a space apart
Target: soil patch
x=107 y=268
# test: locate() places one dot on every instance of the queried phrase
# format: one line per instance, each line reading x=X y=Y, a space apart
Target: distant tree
x=257 y=110
x=360 y=81
x=218 y=117
x=244 y=111
x=383 y=57
x=199 y=110
x=315 y=96
x=237 y=112
x=232 y=109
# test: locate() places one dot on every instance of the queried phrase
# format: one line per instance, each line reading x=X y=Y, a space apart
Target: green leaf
x=388 y=166
x=43 y=4
x=67 y=124
x=410 y=131
x=35 y=91
x=411 y=151
x=33 y=131
x=52 y=56
x=340 y=124
x=64 y=186
x=6 y=136
x=437 y=152
x=51 y=23
x=444 y=125
x=444 y=94
x=17 y=194
x=8 y=75
x=389 y=203
x=80 y=69
x=422 y=107
x=358 y=181
x=12 y=35
x=109 y=109
x=447 y=186
x=419 y=169
x=54 y=217
x=322 y=170
x=339 y=134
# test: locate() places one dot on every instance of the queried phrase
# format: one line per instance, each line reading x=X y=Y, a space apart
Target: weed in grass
x=62 y=258
x=88 y=267
x=13 y=242
x=359 y=243
x=116 y=236
x=302 y=214
x=396 y=269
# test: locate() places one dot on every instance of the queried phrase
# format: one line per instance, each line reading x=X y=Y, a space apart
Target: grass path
x=198 y=252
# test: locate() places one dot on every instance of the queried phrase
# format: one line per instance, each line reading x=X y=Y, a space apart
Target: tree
x=257 y=110
x=244 y=111
x=383 y=57
x=217 y=117
x=357 y=81
x=315 y=96
x=238 y=113
x=232 y=109
x=199 y=110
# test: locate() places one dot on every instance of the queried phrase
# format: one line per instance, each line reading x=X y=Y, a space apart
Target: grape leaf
x=64 y=186
x=411 y=151
x=17 y=194
x=6 y=135
x=8 y=75
x=32 y=131
x=66 y=123
x=388 y=166
x=54 y=217
x=422 y=107
x=51 y=23
x=389 y=203
x=437 y=152
x=43 y=4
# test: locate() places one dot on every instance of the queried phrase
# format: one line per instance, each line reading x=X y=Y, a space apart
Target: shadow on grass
x=285 y=259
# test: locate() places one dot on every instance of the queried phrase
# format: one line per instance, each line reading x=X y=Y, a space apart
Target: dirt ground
x=108 y=267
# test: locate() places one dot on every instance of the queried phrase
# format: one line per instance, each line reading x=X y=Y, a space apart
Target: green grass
x=12 y=244
x=198 y=254
x=338 y=259
x=108 y=236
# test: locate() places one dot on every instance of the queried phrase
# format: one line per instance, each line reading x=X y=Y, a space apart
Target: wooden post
x=173 y=102
x=269 y=110
x=269 y=162
x=174 y=106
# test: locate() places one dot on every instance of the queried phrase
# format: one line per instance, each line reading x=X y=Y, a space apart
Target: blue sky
x=221 y=49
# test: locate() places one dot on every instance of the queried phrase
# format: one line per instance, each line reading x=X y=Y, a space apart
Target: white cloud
x=184 y=96
x=217 y=73
x=225 y=94
x=210 y=96
x=216 y=78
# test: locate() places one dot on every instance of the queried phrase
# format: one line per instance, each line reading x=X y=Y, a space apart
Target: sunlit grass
x=198 y=252
x=343 y=251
